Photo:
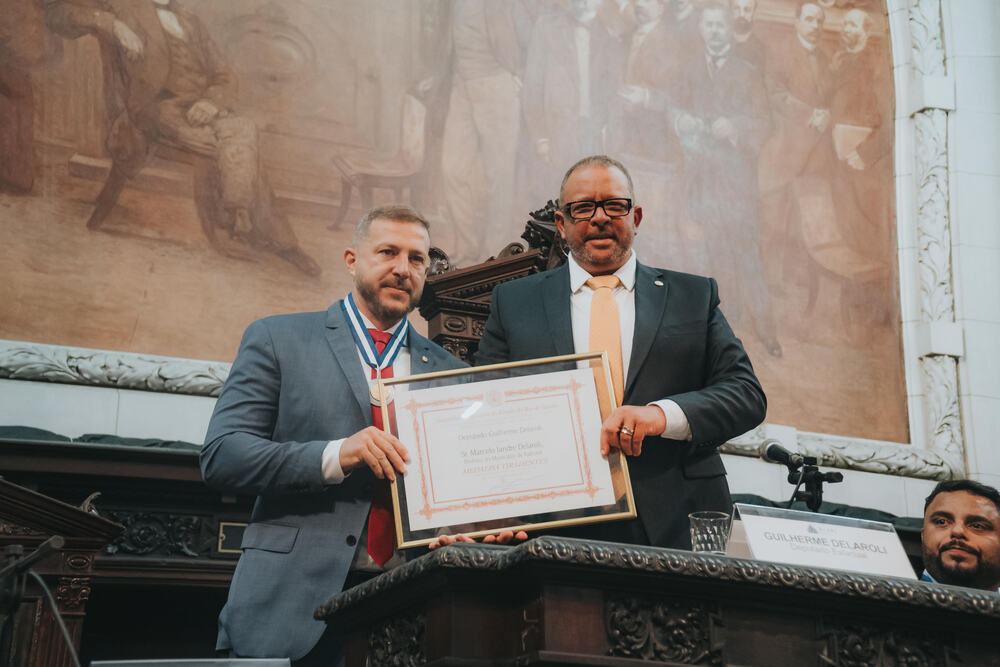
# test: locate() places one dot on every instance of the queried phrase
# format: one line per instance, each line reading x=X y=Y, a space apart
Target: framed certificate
x=509 y=446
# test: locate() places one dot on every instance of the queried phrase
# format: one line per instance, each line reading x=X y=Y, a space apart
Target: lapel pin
x=658 y=283
x=424 y=358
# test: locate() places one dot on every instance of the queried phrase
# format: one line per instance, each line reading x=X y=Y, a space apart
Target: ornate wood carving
x=850 y=644
x=906 y=593
x=72 y=593
x=163 y=533
x=671 y=630
x=398 y=642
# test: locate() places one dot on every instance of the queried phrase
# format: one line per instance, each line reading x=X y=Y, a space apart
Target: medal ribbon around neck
x=364 y=341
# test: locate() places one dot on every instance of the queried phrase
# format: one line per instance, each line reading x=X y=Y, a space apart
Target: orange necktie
x=381 y=534
x=605 y=334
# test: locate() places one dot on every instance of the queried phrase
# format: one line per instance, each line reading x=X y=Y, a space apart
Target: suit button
x=351 y=540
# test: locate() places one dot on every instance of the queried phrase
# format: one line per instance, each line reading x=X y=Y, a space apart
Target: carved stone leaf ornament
x=51 y=363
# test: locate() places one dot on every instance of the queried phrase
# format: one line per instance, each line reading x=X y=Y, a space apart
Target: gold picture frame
x=522 y=448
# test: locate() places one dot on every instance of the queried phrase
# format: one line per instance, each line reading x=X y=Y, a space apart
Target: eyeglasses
x=585 y=210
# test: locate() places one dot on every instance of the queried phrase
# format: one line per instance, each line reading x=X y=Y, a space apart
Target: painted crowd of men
x=764 y=148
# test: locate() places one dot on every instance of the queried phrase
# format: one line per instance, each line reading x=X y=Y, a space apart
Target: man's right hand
x=382 y=452
x=128 y=40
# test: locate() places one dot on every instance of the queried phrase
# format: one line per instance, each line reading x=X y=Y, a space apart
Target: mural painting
x=172 y=170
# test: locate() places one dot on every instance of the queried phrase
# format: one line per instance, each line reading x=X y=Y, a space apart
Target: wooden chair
x=363 y=171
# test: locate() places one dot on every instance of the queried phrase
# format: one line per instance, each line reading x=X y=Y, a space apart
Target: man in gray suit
x=293 y=426
x=686 y=383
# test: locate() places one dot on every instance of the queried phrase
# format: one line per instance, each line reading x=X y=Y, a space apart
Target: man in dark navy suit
x=685 y=382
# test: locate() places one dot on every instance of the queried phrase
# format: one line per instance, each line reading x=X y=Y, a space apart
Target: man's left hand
x=626 y=426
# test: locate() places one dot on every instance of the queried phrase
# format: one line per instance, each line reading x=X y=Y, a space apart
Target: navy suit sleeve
x=732 y=401
x=493 y=346
x=239 y=455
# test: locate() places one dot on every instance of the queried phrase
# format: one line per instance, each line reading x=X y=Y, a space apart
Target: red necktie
x=381 y=533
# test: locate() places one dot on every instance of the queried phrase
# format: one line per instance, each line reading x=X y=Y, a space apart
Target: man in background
x=961 y=535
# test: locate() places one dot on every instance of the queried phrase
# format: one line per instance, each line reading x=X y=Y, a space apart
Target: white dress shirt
x=581 y=297
x=332 y=472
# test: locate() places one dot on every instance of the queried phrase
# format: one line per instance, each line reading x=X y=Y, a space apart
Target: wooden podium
x=29 y=630
x=558 y=601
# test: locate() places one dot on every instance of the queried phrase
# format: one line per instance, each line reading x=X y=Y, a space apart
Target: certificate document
x=510 y=447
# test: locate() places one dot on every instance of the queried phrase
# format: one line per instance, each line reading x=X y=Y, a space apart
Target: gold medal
x=379 y=398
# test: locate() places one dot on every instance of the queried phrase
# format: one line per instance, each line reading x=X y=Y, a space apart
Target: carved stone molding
x=913 y=595
x=101 y=368
x=939 y=373
x=851 y=643
x=926 y=37
x=398 y=642
x=877 y=456
x=670 y=630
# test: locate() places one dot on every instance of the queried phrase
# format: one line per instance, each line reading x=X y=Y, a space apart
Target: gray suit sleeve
x=239 y=455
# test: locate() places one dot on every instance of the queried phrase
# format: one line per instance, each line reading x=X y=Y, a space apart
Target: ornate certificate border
x=559 y=385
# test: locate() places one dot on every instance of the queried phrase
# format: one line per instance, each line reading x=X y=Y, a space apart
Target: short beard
x=393 y=313
x=583 y=256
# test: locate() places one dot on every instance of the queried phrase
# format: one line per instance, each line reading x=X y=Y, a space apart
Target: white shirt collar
x=578 y=275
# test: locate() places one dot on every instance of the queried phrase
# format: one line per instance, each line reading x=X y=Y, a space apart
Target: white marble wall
x=974 y=59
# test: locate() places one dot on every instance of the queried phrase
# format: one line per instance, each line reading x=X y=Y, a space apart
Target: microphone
x=772 y=452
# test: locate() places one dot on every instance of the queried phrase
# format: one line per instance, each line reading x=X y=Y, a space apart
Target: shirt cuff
x=677 y=422
x=332 y=472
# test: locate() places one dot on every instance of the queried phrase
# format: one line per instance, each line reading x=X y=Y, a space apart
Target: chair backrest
x=413 y=133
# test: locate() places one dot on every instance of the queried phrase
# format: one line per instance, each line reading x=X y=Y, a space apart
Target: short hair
x=715 y=5
x=595 y=161
x=968 y=485
x=394 y=212
x=803 y=3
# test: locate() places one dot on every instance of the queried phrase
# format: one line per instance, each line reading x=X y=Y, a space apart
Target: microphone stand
x=813 y=479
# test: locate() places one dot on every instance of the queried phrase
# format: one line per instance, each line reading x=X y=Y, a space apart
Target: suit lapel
x=650 y=305
x=556 y=303
x=346 y=353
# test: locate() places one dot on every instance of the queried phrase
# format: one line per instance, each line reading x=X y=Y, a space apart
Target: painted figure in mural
x=167 y=83
x=294 y=426
x=22 y=45
x=747 y=45
x=643 y=129
x=685 y=382
x=482 y=128
x=961 y=535
x=794 y=168
x=861 y=128
x=722 y=120
x=573 y=68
